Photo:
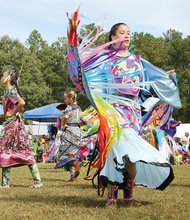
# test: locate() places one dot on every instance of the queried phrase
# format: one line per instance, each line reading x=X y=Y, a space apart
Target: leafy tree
x=43 y=67
x=13 y=54
x=150 y=48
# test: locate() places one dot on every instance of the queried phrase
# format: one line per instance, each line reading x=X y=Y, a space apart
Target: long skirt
x=15 y=145
x=152 y=169
x=69 y=147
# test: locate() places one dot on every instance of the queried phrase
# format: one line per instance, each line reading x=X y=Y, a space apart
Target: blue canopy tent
x=47 y=113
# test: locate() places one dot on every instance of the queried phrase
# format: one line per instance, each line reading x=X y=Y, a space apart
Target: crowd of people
x=128 y=132
x=45 y=147
x=182 y=154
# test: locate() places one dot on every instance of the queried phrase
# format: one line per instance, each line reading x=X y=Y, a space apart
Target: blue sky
x=19 y=17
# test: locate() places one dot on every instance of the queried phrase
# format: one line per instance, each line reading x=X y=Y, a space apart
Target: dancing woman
x=71 y=135
x=112 y=79
x=15 y=146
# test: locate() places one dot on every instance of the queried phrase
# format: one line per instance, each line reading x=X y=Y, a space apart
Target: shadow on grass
x=65 y=184
x=134 y=203
x=75 y=185
x=52 y=180
x=180 y=185
x=84 y=186
x=20 y=186
x=52 y=170
x=72 y=201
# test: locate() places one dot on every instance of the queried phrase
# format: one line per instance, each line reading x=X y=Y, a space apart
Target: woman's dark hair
x=14 y=77
x=52 y=129
x=114 y=29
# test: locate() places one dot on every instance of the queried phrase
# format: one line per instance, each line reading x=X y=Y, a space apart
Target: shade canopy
x=47 y=113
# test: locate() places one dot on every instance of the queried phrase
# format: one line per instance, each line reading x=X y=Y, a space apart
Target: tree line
x=43 y=67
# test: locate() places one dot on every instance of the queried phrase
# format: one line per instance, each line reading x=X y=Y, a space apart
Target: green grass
x=62 y=200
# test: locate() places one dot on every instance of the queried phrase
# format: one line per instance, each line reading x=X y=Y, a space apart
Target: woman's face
x=68 y=100
x=5 y=78
x=122 y=33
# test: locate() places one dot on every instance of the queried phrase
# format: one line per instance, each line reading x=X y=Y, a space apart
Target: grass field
x=62 y=200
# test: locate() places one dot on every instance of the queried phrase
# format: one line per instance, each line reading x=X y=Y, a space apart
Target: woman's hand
x=8 y=114
x=64 y=125
x=171 y=73
x=65 y=117
x=19 y=106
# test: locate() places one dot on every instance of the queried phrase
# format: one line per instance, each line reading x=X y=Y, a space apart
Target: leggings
x=127 y=191
x=6 y=173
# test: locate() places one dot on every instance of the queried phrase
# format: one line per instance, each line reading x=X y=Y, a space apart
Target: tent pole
x=38 y=130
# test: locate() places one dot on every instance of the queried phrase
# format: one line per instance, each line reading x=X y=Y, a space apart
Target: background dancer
x=15 y=145
x=71 y=135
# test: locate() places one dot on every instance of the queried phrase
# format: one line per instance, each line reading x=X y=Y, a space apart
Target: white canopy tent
x=182 y=129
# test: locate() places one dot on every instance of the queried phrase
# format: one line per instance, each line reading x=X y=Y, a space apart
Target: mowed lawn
x=60 y=199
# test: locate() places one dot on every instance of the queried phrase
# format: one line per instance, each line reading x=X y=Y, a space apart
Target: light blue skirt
x=152 y=169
